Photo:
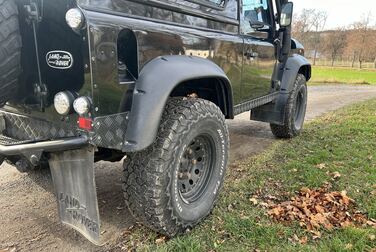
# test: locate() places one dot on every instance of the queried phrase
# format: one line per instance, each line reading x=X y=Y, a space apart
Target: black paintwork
x=237 y=64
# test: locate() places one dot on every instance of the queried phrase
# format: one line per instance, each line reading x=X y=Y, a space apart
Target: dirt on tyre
x=10 y=50
x=295 y=111
x=174 y=184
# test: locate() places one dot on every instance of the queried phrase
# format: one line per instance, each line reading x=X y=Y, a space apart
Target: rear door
x=259 y=51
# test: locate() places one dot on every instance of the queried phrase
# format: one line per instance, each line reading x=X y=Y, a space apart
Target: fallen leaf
x=254 y=201
x=230 y=208
x=336 y=175
x=371 y=223
x=320 y=208
x=264 y=204
x=303 y=240
x=160 y=240
x=348 y=246
x=193 y=95
x=321 y=166
x=372 y=237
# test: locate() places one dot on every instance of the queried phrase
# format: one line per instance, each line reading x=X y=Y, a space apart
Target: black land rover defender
x=152 y=80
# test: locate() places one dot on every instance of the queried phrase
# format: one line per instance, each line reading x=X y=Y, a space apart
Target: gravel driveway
x=28 y=214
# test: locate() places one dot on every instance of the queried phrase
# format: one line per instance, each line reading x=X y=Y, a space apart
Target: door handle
x=251 y=55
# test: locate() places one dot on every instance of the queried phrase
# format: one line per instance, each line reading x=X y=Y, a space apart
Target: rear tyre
x=295 y=111
x=10 y=50
x=172 y=185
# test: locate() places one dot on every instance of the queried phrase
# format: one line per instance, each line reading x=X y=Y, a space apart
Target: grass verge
x=342 y=142
x=343 y=75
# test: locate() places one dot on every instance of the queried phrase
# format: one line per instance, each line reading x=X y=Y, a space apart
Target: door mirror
x=286 y=15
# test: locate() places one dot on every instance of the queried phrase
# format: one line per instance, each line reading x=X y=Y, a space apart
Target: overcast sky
x=341 y=12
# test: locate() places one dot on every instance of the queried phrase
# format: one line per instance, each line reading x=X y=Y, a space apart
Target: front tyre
x=295 y=111
x=172 y=185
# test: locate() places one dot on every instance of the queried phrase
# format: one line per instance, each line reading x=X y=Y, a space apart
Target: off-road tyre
x=10 y=50
x=295 y=111
x=153 y=186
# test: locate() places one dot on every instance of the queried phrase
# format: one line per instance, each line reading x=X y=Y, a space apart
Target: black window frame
x=209 y=4
x=271 y=32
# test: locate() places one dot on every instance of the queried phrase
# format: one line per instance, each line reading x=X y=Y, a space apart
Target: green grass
x=344 y=140
x=343 y=75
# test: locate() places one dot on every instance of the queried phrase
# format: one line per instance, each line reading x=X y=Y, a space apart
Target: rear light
x=82 y=105
x=85 y=123
x=63 y=102
x=75 y=19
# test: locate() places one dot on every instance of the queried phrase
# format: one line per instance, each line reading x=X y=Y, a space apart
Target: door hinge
x=33 y=14
x=34 y=17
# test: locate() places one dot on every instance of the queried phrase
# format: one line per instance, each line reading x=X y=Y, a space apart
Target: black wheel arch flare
x=156 y=81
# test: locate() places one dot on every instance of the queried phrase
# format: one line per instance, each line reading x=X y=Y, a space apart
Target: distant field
x=343 y=75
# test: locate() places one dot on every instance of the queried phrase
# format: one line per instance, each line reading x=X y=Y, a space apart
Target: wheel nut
x=194 y=161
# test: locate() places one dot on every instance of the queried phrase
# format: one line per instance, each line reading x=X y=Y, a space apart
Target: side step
x=249 y=105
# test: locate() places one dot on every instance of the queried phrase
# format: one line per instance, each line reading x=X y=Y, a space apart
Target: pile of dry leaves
x=315 y=209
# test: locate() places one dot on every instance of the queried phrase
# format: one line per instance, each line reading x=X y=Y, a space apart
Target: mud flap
x=74 y=182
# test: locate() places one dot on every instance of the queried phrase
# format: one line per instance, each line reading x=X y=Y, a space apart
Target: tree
x=307 y=28
x=335 y=43
x=360 y=40
x=302 y=25
x=318 y=22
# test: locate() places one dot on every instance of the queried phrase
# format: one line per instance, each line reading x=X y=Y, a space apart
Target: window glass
x=216 y=3
x=254 y=11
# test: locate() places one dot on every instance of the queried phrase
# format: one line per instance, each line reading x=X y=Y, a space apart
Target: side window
x=254 y=12
x=220 y=3
x=211 y=3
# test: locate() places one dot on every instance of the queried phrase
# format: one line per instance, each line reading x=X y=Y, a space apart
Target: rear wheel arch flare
x=156 y=83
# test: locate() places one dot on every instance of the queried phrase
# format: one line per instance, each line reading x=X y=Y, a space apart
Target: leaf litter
x=320 y=208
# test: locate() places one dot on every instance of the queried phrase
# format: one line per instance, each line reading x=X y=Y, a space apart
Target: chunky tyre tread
x=145 y=181
x=10 y=49
x=288 y=130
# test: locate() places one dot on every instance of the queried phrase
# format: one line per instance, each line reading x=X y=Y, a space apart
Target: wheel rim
x=195 y=168
x=300 y=109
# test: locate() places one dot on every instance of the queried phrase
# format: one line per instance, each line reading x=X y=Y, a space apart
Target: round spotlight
x=75 y=18
x=63 y=102
x=82 y=105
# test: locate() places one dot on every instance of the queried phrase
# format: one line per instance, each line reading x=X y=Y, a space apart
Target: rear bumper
x=21 y=133
x=44 y=146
